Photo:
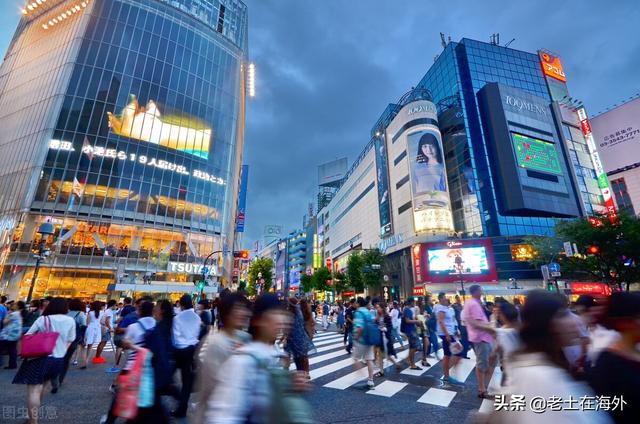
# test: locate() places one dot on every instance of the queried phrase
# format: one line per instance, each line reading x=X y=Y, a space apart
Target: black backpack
x=80 y=329
x=162 y=361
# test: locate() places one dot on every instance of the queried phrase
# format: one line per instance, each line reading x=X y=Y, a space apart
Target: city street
x=339 y=394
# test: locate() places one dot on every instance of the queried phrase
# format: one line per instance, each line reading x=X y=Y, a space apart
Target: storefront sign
x=419 y=291
x=591 y=288
x=522 y=252
x=100 y=151
x=390 y=242
x=551 y=66
x=190 y=268
x=520 y=104
x=416 y=255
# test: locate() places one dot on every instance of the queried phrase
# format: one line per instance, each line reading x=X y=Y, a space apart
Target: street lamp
x=204 y=273
x=45 y=230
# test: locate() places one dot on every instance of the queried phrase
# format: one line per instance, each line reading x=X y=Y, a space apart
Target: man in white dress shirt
x=186 y=328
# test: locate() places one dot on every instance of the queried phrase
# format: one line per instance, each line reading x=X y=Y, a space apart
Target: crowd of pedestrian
x=234 y=354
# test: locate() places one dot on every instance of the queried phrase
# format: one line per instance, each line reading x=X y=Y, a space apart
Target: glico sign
x=552 y=67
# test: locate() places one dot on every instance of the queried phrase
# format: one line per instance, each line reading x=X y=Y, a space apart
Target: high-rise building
x=487 y=149
x=123 y=127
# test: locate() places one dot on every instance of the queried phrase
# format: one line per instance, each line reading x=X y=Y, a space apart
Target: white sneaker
x=103 y=419
x=370 y=384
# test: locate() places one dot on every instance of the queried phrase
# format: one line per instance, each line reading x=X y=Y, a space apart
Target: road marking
x=327 y=341
x=494 y=387
x=361 y=374
x=462 y=370
x=330 y=347
x=324 y=336
x=387 y=388
x=317 y=359
x=438 y=397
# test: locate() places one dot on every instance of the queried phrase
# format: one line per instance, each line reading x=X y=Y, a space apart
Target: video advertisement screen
x=536 y=154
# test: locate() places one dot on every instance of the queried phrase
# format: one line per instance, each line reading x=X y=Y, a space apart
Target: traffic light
x=551 y=286
x=593 y=250
x=200 y=285
x=241 y=254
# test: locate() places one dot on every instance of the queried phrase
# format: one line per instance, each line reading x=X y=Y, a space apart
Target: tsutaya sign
x=99 y=151
x=187 y=268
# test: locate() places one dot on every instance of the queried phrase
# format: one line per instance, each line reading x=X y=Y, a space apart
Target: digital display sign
x=551 y=66
x=183 y=133
x=536 y=154
x=448 y=262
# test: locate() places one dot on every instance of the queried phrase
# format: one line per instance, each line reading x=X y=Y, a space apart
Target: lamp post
x=45 y=230
x=204 y=272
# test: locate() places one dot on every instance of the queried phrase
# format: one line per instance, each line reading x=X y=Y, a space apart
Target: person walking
x=386 y=348
x=309 y=322
x=410 y=330
x=297 y=341
x=507 y=337
x=363 y=351
x=423 y=334
x=481 y=335
x=432 y=326
x=233 y=311
x=186 y=329
x=107 y=323
x=93 y=335
x=76 y=311
x=340 y=317
x=204 y=312
x=11 y=332
x=396 y=319
x=3 y=310
x=464 y=335
x=325 y=316
x=347 y=339
x=37 y=372
x=33 y=313
x=447 y=332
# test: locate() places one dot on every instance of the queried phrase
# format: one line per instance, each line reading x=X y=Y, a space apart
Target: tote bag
x=39 y=344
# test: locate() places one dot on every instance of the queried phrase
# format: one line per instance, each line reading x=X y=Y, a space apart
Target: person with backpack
x=76 y=311
x=325 y=316
x=186 y=329
x=251 y=386
x=363 y=326
x=408 y=327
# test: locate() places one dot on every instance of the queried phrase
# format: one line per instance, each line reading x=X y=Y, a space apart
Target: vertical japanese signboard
x=603 y=181
x=242 y=199
x=382 y=178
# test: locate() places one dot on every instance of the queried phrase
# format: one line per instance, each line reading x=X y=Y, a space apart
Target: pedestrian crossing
x=332 y=368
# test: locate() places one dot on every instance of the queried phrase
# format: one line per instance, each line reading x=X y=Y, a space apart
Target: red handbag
x=40 y=344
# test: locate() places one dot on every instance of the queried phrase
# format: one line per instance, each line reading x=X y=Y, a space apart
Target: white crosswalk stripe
x=335 y=369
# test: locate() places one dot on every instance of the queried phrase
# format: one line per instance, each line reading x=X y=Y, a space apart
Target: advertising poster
x=617 y=135
x=146 y=123
x=242 y=199
x=382 y=176
x=431 y=204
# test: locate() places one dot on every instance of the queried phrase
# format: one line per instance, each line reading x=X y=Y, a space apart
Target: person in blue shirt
x=3 y=310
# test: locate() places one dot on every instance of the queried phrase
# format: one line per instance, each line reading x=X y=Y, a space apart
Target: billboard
x=536 y=154
x=451 y=261
x=331 y=173
x=551 y=66
x=617 y=136
x=242 y=199
x=179 y=132
x=416 y=127
x=601 y=175
x=382 y=177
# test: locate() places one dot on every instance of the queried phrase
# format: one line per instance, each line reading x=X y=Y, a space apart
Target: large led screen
x=466 y=260
x=147 y=123
x=536 y=154
x=448 y=262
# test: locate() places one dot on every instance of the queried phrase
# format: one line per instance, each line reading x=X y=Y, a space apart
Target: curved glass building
x=123 y=126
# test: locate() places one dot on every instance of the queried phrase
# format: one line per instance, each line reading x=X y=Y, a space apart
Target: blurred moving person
x=616 y=372
x=447 y=331
x=245 y=389
x=233 y=311
x=297 y=341
x=11 y=332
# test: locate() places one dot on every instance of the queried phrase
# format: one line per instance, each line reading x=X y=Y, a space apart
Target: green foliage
x=320 y=279
x=618 y=244
x=306 y=283
x=354 y=275
x=373 y=261
x=340 y=283
x=260 y=265
x=547 y=249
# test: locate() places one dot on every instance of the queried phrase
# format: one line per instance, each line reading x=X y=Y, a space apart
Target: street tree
x=373 y=261
x=263 y=267
x=354 y=275
x=321 y=279
x=306 y=283
x=609 y=251
x=340 y=283
x=546 y=249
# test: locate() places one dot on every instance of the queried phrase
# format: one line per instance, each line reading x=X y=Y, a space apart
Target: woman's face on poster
x=429 y=151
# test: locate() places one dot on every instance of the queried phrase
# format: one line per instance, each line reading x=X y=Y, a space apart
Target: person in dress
x=93 y=335
x=37 y=372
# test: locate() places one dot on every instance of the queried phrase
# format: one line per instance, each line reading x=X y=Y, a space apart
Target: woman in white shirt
x=37 y=372
x=93 y=336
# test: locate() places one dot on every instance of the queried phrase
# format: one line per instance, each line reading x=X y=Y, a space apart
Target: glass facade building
x=454 y=80
x=125 y=127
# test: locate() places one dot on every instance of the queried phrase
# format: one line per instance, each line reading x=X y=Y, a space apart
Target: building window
x=404 y=207
x=623 y=199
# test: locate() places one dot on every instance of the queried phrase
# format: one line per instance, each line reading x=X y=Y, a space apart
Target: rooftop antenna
x=509 y=43
x=442 y=40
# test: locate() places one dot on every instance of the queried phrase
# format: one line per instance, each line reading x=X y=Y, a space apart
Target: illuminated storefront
x=133 y=145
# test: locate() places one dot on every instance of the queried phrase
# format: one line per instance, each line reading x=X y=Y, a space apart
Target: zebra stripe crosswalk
x=332 y=368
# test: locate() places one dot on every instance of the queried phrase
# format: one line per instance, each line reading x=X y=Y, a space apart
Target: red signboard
x=601 y=289
x=451 y=261
x=418 y=291
x=328 y=262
